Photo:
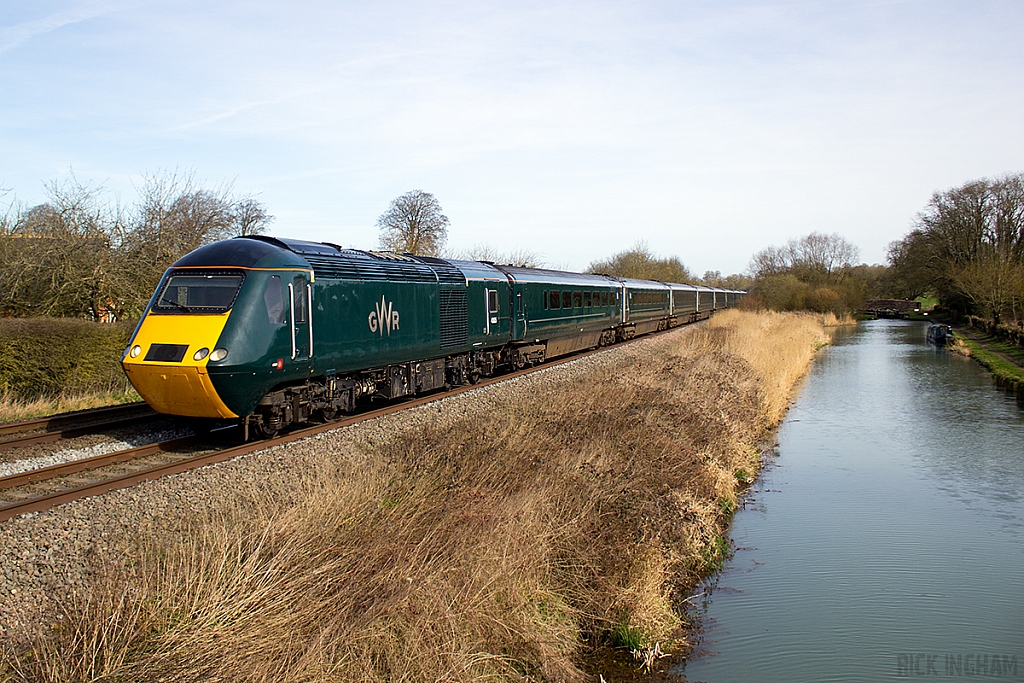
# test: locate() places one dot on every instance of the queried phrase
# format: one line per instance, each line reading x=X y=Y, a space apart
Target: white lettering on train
x=383 y=318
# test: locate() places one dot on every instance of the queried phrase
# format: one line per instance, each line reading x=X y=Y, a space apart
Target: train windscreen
x=198 y=293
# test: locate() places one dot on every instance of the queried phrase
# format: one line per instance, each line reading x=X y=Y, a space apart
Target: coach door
x=496 y=306
x=519 y=306
x=300 y=299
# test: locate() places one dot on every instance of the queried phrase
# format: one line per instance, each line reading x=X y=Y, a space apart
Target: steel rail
x=70 y=433
x=45 y=502
x=58 y=421
x=58 y=427
x=73 y=466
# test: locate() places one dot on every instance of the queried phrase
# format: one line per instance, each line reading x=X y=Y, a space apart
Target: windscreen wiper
x=174 y=303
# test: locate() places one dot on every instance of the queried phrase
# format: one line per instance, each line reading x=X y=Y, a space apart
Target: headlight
x=218 y=355
x=136 y=350
x=201 y=353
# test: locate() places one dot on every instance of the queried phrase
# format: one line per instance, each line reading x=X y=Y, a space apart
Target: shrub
x=54 y=357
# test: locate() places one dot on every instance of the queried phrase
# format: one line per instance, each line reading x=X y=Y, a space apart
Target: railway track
x=43 y=488
x=71 y=425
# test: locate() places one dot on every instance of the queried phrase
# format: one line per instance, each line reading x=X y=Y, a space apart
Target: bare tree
x=811 y=272
x=175 y=216
x=524 y=258
x=80 y=255
x=827 y=256
x=995 y=286
x=414 y=224
x=714 y=278
x=640 y=263
x=967 y=248
x=770 y=261
x=817 y=256
x=250 y=217
x=56 y=256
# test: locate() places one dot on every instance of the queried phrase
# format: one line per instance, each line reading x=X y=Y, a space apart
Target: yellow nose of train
x=166 y=363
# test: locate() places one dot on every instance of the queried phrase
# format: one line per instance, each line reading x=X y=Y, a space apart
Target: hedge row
x=53 y=357
x=1012 y=333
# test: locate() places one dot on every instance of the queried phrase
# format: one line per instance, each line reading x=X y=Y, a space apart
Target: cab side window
x=274 y=299
x=492 y=300
x=299 y=298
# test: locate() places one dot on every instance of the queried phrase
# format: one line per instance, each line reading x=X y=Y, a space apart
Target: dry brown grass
x=494 y=550
x=12 y=409
x=832 y=320
x=959 y=347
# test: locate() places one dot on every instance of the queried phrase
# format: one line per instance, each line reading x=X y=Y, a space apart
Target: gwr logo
x=383 y=317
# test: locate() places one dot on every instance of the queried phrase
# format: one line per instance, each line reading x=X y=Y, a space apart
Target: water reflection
x=890 y=525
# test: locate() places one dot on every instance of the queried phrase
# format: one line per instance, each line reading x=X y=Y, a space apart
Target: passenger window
x=492 y=300
x=556 y=300
x=299 y=298
x=566 y=299
x=274 y=299
x=604 y=298
x=587 y=301
x=577 y=299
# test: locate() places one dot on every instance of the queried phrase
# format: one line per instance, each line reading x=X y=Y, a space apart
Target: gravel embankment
x=37 y=456
x=45 y=557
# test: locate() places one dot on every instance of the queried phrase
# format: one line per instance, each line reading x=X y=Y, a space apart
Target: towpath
x=1017 y=360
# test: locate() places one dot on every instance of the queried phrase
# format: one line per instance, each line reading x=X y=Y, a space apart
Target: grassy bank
x=1006 y=374
x=50 y=365
x=498 y=545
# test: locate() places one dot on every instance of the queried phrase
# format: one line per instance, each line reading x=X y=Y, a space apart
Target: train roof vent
x=355 y=253
x=299 y=246
x=392 y=256
x=446 y=272
x=352 y=264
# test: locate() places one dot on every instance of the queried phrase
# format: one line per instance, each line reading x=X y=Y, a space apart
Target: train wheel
x=265 y=431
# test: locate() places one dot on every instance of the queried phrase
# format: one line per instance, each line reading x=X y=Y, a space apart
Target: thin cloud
x=228 y=113
x=19 y=34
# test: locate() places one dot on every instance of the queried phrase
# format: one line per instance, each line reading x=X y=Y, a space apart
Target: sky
x=709 y=130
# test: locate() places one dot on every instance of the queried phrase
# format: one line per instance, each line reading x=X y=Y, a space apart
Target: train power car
x=274 y=331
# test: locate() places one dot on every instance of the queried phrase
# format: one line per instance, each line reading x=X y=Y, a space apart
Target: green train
x=275 y=331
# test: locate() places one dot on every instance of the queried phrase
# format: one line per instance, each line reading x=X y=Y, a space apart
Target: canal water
x=885 y=541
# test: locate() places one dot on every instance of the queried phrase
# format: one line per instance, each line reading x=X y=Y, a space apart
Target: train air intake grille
x=166 y=353
x=454 y=318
